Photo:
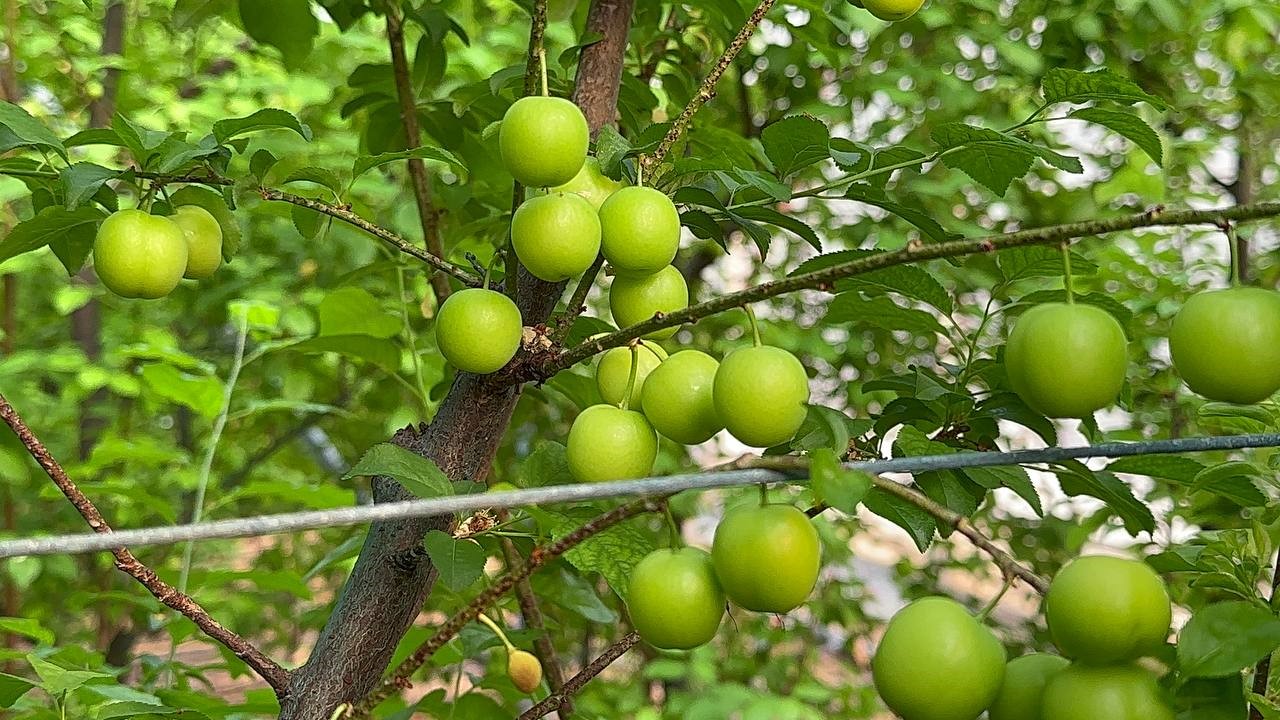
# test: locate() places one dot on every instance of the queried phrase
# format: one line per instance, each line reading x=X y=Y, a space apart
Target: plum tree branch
x=532 y=76
x=559 y=700
x=541 y=556
x=275 y=675
x=530 y=610
x=707 y=90
x=825 y=278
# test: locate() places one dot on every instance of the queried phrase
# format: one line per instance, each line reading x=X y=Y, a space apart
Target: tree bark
x=393 y=576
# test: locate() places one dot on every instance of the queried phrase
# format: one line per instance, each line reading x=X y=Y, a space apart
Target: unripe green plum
x=678 y=398
x=937 y=662
x=1067 y=360
x=614 y=369
x=138 y=255
x=636 y=298
x=761 y=395
x=893 y=10
x=609 y=443
x=674 y=600
x=556 y=236
x=594 y=186
x=543 y=141
x=204 y=241
x=640 y=230
x=1021 y=695
x=1091 y=692
x=767 y=557
x=1226 y=344
x=478 y=330
x=1106 y=610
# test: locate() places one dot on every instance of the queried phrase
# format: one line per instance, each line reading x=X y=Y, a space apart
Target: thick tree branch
x=422 y=190
x=708 y=88
x=559 y=700
x=275 y=675
x=540 y=557
x=538 y=368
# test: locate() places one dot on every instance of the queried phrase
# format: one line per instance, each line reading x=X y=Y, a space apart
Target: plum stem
x=1233 y=248
x=497 y=631
x=991 y=604
x=542 y=67
x=755 y=326
x=631 y=378
x=1068 y=281
x=673 y=527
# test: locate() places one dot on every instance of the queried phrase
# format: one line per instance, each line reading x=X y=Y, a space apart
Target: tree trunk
x=393 y=576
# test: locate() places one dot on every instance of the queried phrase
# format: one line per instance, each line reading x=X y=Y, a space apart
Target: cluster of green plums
x=764 y=558
x=759 y=393
x=1067 y=360
x=140 y=255
x=936 y=661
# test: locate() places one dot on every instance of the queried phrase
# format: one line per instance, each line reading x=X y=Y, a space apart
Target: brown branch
x=422 y=190
x=275 y=675
x=708 y=88
x=577 y=301
x=541 y=556
x=825 y=279
x=1262 y=674
x=600 y=69
x=543 y=647
x=532 y=78
x=559 y=700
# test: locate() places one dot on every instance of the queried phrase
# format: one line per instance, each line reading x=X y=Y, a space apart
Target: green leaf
x=1231 y=480
x=910 y=281
x=1182 y=470
x=991 y=158
x=265 y=119
x=82 y=181
x=71 y=230
x=140 y=140
x=320 y=176
x=286 y=25
x=19 y=129
x=1077 y=479
x=1129 y=126
x=872 y=195
x=1036 y=261
x=1073 y=86
x=1213 y=699
x=1103 y=300
x=418 y=475
x=96 y=136
x=611 y=149
x=548 y=464
x=795 y=143
x=919 y=524
x=12 y=688
x=786 y=222
x=881 y=312
x=833 y=484
x=1230 y=419
x=27 y=627
x=57 y=680
x=825 y=427
x=1224 y=638
x=201 y=393
x=187 y=14
x=459 y=562
x=612 y=553
x=353 y=311
x=365 y=163
x=1012 y=477
x=382 y=353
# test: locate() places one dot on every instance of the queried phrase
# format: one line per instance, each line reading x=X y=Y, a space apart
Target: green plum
x=1021 y=694
x=636 y=298
x=591 y=184
x=614 y=369
x=609 y=443
x=556 y=237
x=204 y=240
x=761 y=395
x=937 y=662
x=893 y=10
x=674 y=600
x=767 y=557
x=678 y=399
x=479 y=330
x=543 y=141
x=1101 y=692
x=1105 y=610
x=640 y=231
x=1067 y=360
x=1226 y=344
x=138 y=255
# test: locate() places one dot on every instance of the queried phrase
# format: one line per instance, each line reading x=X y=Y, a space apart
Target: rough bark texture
x=393 y=577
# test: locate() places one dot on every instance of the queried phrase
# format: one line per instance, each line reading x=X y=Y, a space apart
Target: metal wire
x=556 y=494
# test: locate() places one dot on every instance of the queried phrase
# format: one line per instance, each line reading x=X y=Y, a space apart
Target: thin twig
x=577 y=301
x=541 y=556
x=708 y=88
x=1262 y=674
x=422 y=190
x=543 y=646
x=558 y=701
x=275 y=675
x=826 y=278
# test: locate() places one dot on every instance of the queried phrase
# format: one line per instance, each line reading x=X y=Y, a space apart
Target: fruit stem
x=631 y=378
x=755 y=326
x=497 y=631
x=640 y=174
x=542 y=65
x=148 y=198
x=677 y=540
x=1234 y=249
x=488 y=270
x=1068 y=282
x=764 y=494
x=991 y=605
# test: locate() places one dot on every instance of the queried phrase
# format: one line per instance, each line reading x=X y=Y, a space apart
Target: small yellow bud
x=524 y=670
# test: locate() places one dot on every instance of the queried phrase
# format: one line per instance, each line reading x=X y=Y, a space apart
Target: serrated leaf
x=1129 y=126
x=265 y=119
x=1013 y=477
x=353 y=311
x=19 y=129
x=611 y=148
x=365 y=163
x=1224 y=638
x=988 y=156
x=320 y=176
x=1074 y=86
x=95 y=136
x=835 y=485
x=790 y=224
x=795 y=143
x=1077 y=479
x=56 y=680
x=548 y=464
x=1182 y=470
x=881 y=312
x=459 y=562
x=871 y=195
x=919 y=524
x=286 y=25
x=418 y=475
x=848 y=155
x=73 y=230
x=703 y=226
x=82 y=180
x=1034 y=261
x=612 y=553
x=1233 y=481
